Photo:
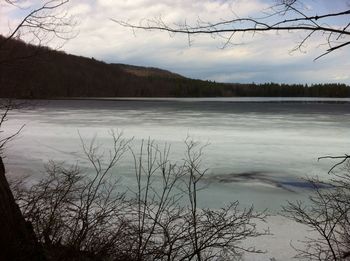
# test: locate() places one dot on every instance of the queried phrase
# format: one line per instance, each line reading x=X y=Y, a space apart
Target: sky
x=259 y=58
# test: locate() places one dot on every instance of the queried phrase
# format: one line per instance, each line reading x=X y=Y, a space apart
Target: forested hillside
x=55 y=74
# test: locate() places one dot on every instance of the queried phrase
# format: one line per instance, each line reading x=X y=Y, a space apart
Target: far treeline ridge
x=50 y=74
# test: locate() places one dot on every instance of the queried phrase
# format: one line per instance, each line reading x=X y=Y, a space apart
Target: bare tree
x=285 y=16
x=74 y=212
x=328 y=214
x=158 y=219
x=17 y=238
x=166 y=220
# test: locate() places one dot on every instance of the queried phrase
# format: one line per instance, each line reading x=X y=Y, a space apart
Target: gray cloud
x=262 y=58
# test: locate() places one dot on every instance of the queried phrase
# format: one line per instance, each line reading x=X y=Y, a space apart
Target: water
x=259 y=148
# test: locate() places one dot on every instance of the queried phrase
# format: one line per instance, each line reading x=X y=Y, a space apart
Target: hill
x=28 y=71
x=147 y=71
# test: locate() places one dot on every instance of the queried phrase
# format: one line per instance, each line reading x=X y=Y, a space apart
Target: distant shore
x=214 y=99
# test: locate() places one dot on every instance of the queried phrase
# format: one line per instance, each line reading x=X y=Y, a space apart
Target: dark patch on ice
x=305 y=184
x=286 y=183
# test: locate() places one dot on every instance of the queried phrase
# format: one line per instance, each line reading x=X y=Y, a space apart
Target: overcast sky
x=258 y=58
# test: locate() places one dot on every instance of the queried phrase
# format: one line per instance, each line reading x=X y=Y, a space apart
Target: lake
x=259 y=149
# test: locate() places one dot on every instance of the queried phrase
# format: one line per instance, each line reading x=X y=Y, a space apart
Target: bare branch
x=45 y=22
x=296 y=20
x=342 y=158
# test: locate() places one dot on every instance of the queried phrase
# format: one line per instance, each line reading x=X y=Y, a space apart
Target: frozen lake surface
x=259 y=148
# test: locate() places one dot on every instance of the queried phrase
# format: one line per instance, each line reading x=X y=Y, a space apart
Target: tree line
x=54 y=74
x=198 y=88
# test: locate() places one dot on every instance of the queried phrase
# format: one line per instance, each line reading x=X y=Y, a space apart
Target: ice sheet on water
x=279 y=142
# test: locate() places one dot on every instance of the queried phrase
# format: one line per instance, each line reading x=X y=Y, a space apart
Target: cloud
x=81 y=9
x=252 y=57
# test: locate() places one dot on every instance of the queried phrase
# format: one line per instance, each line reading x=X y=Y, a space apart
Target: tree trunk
x=17 y=239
